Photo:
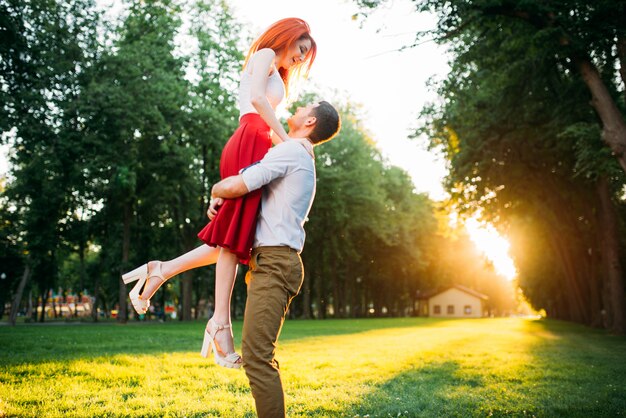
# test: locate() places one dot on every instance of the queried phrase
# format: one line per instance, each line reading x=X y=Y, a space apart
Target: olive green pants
x=274 y=279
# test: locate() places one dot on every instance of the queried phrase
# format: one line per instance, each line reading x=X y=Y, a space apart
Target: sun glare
x=494 y=246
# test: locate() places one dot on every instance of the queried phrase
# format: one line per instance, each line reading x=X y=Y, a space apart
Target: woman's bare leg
x=202 y=256
x=225 y=272
x=198 y=257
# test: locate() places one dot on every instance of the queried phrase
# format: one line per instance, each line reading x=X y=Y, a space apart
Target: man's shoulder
x=291 y=145
x=291 y=148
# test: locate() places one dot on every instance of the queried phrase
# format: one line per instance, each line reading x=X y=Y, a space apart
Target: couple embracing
x=257 y=212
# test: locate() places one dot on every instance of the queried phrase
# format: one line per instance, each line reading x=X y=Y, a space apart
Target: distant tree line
x=115 y=133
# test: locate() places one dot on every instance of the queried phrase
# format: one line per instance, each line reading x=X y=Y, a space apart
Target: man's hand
x=306 y=144
x=214 y=205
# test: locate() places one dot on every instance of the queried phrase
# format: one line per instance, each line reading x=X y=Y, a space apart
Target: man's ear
x=310 y=121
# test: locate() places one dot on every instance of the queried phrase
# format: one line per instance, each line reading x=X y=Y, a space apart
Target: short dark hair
x=327 y=125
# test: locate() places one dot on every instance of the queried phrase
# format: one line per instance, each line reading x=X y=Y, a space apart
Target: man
x=276 y=273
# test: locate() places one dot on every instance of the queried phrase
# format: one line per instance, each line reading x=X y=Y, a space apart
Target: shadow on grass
x=39 y=343
x=559 y=370
x=36 y=343
x=418 y=392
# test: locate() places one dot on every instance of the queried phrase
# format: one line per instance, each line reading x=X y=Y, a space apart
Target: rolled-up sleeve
x=276 y=163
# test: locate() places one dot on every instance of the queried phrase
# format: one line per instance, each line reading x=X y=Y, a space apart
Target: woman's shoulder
x=263 y=60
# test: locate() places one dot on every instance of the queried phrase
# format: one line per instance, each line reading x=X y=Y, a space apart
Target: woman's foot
x=151 y=280
x=219 y=338
x=156 y=278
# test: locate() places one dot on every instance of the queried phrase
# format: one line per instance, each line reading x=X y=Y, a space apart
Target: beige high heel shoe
x=141 y=302
x=230 y=360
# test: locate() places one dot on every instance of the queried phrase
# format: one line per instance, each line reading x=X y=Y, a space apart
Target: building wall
x=460 y=301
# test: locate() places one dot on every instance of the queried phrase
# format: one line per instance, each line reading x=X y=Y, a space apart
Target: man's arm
x=275 y=164
x=229 y=188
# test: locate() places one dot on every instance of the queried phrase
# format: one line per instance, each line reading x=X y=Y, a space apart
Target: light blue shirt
x=288 y=172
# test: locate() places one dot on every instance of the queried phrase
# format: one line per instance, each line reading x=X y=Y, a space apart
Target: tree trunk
x=81 y=254
x=337 y=308
x=44 y=299
x=573 y=293
x=105 y=306
x=198 y=297
x=306 y=296
x=54 y=305
x=94 y=308
x=595 y=290
x=15 y=305
x=574 y=305
x=187 y=291
x=610 y=255
x=163 y=304
x=29 y=312
x=348 y=280
x=122 y=313
x=613 y=125
x=319 y=290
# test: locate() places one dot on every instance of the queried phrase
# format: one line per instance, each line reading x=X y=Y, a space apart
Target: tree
x=368 y=231
x=42 y=57
x=518 y=131
x=505 y=130
x=584 y=36
x=213 y=117
x=134 y=116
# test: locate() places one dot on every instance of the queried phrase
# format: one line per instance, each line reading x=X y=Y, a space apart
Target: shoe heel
x=136 y=274
x=229 y=360
x=140 y=305
x=206 y=345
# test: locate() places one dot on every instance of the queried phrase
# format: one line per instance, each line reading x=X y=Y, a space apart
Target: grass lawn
x=413 y=367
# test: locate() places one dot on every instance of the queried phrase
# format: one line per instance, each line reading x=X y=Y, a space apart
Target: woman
x=274 y=61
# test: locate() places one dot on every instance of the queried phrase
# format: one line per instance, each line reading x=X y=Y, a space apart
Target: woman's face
x=295 y=54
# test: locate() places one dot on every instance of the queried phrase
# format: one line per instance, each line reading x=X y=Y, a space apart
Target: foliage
x=47 y=48
x=374 y=256
x=524 y=146
x=116 y=144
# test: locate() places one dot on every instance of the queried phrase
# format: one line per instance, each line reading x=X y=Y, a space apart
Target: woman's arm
x=263 y=60
x=275 y=138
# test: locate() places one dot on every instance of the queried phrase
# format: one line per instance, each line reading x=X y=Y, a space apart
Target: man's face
x=303 y=114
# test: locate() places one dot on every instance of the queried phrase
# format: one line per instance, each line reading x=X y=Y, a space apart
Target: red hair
x=280 y=37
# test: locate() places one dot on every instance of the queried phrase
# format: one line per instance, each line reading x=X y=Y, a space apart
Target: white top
x=275 y=90
x=289 y=173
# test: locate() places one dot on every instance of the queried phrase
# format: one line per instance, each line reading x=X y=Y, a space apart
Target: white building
x=454 y=302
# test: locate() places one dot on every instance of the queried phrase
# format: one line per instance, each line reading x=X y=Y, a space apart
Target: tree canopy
x=532 y=125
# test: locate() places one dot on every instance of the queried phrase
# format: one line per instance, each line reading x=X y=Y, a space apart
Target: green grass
x=378 y=368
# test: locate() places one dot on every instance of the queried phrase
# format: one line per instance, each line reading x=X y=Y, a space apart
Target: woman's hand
x=214 y=205
x=306 y=144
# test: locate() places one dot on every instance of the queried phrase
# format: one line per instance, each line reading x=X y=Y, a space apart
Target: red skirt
x=235 y=223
